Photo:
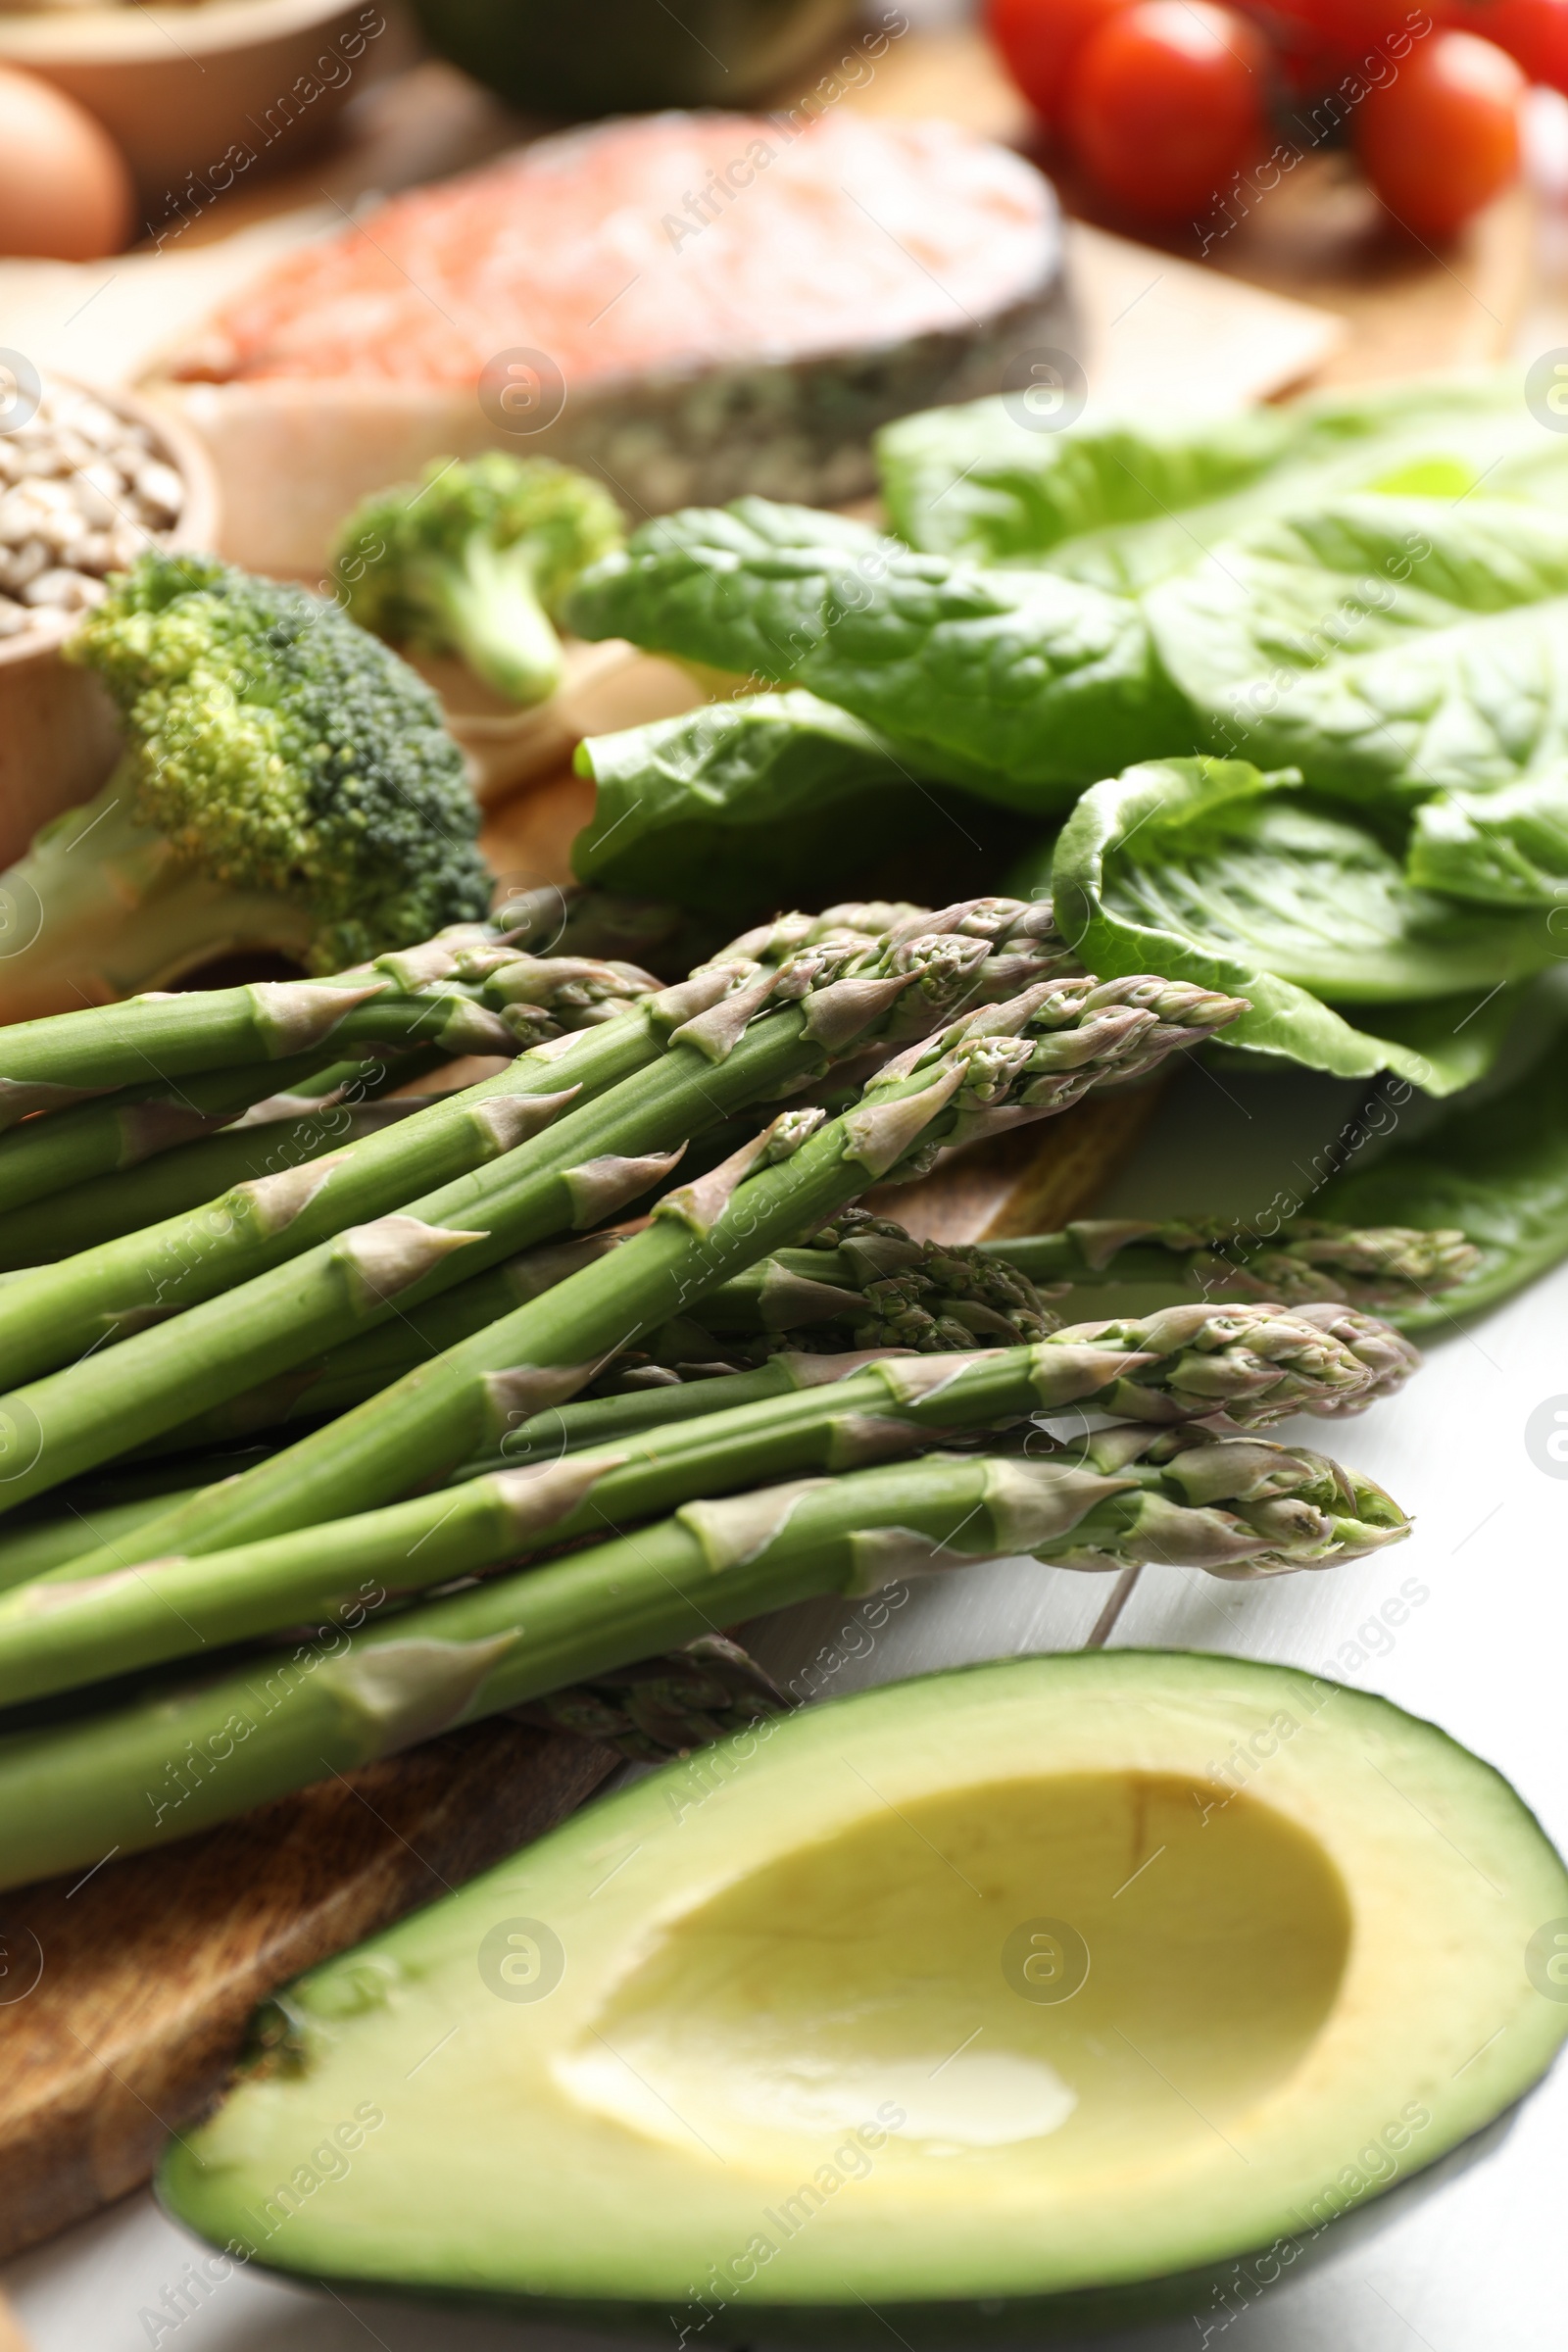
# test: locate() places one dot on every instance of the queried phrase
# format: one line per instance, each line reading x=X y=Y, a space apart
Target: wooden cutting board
x=126 y=1993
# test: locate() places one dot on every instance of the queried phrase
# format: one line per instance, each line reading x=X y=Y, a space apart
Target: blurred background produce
x=604 y=57
x=1172 y=109
x=64 y=189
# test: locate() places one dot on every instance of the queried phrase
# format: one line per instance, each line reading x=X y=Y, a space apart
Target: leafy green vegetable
x=1390 y=648
x=1018 y=685
x=1207 y=870
x=1125 y=502
x=699 y=804
x=1498 y=1170
x=1509 y=848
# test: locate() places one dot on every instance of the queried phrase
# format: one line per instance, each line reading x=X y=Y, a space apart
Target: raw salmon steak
x=691 y=305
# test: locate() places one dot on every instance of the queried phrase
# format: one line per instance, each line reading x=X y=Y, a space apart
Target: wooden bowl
x=201 y=97
x=59 y=733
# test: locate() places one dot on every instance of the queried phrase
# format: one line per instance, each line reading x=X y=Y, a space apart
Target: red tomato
x=1166 y=101
x=1347 y=31
x=1039 y=40
x=1442 y=139
x=1534 y=33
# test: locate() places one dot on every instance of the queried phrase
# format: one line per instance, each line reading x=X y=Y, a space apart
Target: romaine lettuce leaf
x=1208 y=870
x=1125 y=501
x=1390 y=648
x=1507 y=847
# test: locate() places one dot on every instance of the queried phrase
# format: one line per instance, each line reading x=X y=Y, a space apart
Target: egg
x=66 y=191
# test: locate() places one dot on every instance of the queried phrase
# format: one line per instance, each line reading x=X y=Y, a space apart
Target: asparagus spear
x=186 y=1755
x=361 y=1367
x=69 y=1627
x=1389 y=1270
x=892 y=1291
x=109 y=1208
x=46 y=1157
x=71 y=1307
x=1030 y=1057
x=1260 y=1365
x=45 y=1068
x=981 y=1302
x=572 y=1174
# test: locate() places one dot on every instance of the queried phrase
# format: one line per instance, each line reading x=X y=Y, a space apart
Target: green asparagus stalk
x=1034 y=1054
x=70 y=1627
x=65 y=1309
x=1390 y=1270
x=185 y=1756
x=662 y=1707
x=729 y=1050
x=46 y=1157
x=361 y=1367
x=61 y=1310
x=196 y=1174
x=43 y=1067
x=892 y=1291
x=980 y=1302
x=1257 y=1366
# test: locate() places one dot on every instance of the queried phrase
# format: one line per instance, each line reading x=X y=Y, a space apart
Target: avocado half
x=1020 y=1999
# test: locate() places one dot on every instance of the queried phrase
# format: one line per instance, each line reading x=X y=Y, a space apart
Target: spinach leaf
x=1498 y=1170
x=1507 y=847
x=1207 y=870
x=1123 y=503
x=1389 y=647
x=1018 y=685
x=704 y=806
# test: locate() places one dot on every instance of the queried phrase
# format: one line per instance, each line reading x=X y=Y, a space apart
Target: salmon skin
x=719 y=302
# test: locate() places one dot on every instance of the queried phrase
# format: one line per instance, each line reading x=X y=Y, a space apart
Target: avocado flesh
x=1304 y=1917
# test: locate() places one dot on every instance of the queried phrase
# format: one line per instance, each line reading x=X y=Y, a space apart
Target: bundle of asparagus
x=801 y=1471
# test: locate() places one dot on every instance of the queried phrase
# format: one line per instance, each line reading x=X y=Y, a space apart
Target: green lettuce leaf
x=1124 y=501
x=1390 y=648
x=1507 y=847
x=1498 y=1170
x=1020 y=686
x=1208 y=870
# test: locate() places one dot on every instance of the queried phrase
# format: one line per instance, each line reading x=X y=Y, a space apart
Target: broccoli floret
x=474 y=560
x=287 y=784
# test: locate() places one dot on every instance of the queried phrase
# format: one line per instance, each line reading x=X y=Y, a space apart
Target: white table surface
x=1474 y=2265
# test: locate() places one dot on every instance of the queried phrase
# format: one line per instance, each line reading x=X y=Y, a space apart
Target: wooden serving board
x=126 y=1992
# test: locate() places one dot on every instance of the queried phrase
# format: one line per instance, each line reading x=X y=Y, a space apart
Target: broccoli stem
x=496 y=624
x=100 y=907
x=184 y=1756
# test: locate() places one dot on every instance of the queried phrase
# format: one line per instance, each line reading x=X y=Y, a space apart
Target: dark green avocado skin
x=1213 y=2297
x=602 y=57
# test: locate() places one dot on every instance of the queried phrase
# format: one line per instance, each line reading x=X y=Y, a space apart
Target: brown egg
x=65 y=188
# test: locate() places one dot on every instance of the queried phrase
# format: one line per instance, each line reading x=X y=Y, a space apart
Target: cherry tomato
x=1343 y=32
x=1039 y=40
x=1166 y=101
x=1442 y=139
x=1534 y=33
